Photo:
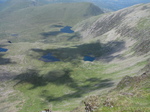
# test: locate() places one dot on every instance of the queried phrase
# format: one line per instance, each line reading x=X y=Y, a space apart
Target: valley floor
x=58 y=85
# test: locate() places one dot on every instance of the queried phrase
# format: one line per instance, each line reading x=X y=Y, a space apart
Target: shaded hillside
x=29 y=22
x=130 y=24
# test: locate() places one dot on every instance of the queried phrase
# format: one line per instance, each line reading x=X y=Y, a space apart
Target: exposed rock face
x=131 y=25
x=128 y=81
x=124 y=22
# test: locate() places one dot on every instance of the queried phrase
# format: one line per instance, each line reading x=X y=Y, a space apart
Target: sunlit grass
x=64 y=84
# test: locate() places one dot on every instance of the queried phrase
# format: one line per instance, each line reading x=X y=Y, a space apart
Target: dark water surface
x=3 y=50
x=67 y=29
x=88 y=58
x=49 y=58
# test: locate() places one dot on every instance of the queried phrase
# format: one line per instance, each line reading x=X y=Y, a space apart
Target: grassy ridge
x=30 y=22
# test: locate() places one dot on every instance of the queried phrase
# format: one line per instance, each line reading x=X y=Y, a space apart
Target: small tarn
x=88 y=58
x=49 y=58
x=3 y=50
x=67 y=29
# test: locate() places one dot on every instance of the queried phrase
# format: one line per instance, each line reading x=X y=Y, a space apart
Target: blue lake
x=49 y=58
x=67 y=29
x=3 y=50
x=88 y=58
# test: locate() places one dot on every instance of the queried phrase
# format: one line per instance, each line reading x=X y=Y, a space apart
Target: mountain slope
x=131 y=24
x=130 y=95
x=118 y=4
x=118 y=42
x=132 y=27
x=13 y=5
x=108 y=4
x=26 y=20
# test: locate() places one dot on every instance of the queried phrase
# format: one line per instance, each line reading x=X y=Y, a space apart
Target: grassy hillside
x=30 y=84
x=13 y=5
x=131 y=26
x=29 y=23
x=61 y=86
x=130 y=95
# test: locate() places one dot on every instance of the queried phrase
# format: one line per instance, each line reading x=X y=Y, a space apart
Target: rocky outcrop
x=125 y=23
x=130 y=25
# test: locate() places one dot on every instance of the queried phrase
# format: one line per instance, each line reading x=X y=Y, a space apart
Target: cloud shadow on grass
x=59 y=78
x=55 y=26
x=96 y=49
x=51 y=33
x=79 y=91
x=64 y=77
x=4 y=61
x=5 y=74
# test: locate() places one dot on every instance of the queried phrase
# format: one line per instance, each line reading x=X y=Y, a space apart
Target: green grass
x=60 y=87
x=137 y=102
x=58 y=83
x=143 y=23
x=55 y=85
x=30 y=22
